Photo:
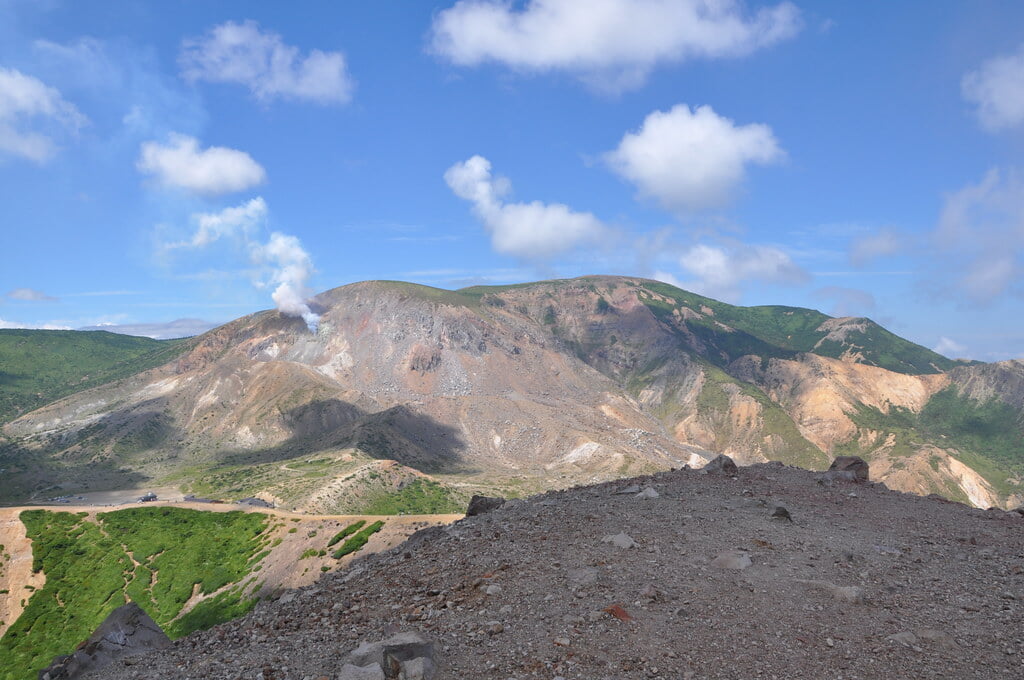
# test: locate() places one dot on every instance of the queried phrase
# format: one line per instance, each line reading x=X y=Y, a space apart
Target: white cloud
x=722 y=272
x=242 y=53
x=949 y=348
x=529 y=230
x=215 y=170
x=867 y=248
x=997 y=88
x=690 y=161
x=612 y=44
x=34 y=326
x=980 y=237
x=30 y=295
x=241 y=219
x=26 y=102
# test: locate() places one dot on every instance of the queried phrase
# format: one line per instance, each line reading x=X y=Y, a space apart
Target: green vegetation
x=776 y=423
x=346 y=532
x=358 y=541
x=776 y=331
x=40 y=367
x=984 y=435
x=418 y=497
x=154 y=556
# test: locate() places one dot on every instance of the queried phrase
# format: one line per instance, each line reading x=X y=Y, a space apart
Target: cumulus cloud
x=722 y=272
x=949 y=348
x=31 y=113
x=528 y=230
x=980 y=237
x=260 y=60
x=282 y=258
x=870 y=247
x=691 y=160
x=30 y=295
x=997 y=88
x=215 y=170
x=611 y=44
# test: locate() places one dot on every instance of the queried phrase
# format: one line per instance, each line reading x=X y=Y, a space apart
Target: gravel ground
x=710 y=580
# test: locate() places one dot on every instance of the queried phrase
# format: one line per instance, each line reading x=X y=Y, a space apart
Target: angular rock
x=648 y=492
x=781 y=513
x=479 y=505
x=371 y=671
x=127 y=631
x=723 y=464
x=846 y=468
x=392 y=654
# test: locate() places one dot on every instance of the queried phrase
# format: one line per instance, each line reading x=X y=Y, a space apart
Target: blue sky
x=161 y=162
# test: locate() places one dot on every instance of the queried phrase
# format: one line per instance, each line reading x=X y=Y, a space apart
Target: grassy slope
x=985 y=436
x=781 y=331
x=39 y=367
x=90 y=570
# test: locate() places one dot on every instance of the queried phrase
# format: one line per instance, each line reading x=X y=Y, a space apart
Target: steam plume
x=290 y=265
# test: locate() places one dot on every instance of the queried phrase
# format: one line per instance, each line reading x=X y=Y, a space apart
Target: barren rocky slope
x=705 y=578
x=518 y=389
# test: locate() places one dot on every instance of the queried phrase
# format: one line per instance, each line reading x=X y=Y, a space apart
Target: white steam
x=282 y=258
x=292 y=267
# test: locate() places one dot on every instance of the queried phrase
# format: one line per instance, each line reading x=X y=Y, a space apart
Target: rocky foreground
x=762 y=572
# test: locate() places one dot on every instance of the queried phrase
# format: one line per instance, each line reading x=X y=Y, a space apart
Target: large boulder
x=478 y=505
x=723 y=464
x=851 y=469
x=127 y=631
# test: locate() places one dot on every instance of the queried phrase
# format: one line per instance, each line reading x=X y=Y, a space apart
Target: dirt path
x=15 y=568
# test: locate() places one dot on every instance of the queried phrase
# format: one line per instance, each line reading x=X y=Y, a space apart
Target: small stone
x=781 y=513
x=732 y=559
x=494 y=627
x=584 y=576
x=494 y=589
x=620 y=540
x=906 y=638
x=648 y=492
x=561 y=641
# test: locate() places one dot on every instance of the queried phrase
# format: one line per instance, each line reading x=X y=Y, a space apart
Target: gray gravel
x=862 y=583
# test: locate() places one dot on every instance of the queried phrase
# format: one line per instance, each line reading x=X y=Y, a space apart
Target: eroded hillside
x=436 y=394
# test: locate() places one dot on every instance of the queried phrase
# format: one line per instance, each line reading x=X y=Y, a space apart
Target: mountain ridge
x=530 y=386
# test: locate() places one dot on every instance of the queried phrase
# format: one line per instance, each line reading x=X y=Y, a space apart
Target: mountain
x=408 y=395
x=38 y=367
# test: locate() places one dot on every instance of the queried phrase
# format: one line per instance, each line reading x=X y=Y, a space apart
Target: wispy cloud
x=31 y=115
x=260 y=60
x=997 y=88
x=30 y=295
